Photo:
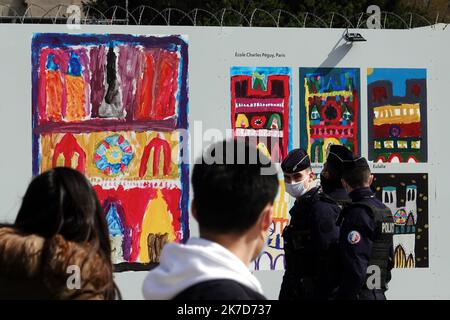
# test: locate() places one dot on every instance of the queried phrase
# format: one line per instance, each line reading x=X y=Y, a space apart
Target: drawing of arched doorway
x=381 y=159
x=68 y=153
x=158 y=146
x=279 y=263
x=118 y=232
x=412 y=159
x=410 y=261
x=399 y=257
x=241 y=121
x=395 y=158
x=317 y=151
x=54 y=86
x=264 y=261
x=157 y=222
x=274 y=122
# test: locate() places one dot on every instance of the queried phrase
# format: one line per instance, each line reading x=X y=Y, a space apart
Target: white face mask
x=296 y=189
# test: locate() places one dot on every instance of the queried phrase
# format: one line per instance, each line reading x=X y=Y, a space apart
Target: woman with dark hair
x=58 y=247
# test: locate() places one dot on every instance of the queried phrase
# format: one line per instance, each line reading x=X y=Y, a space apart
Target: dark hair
x=229 y=197
x=334 y=172
x=356 y=177
x=333 y=179
x=61 y=201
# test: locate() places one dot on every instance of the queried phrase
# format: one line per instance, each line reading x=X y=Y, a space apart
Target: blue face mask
x=296 y=189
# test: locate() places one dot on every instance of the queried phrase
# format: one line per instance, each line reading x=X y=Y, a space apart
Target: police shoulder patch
x=353 y=237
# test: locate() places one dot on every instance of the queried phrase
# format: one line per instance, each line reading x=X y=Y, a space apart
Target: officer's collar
x=310 y=192
x=339 y=194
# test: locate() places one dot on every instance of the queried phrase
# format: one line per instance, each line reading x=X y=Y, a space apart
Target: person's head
x=331 y=175
x=298 y=175
x=233 y=196
x=61 y=201
x=356 y=174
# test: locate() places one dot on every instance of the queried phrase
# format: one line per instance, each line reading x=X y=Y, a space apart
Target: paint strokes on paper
x=113 y=107
x=272 y=257
x=406 y=194
x=329 y=110
x=261 y=114
x=261 y=108
x=397 y=102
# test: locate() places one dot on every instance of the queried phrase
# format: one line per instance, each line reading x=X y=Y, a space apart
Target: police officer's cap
x=337 y=155
x=297 y=160
x=356 y=162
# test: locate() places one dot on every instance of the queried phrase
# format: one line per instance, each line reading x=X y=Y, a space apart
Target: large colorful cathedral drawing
x=112 y=107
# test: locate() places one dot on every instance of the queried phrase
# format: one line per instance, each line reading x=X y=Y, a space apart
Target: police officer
x=331 y=175
x=310 y=239
x=366 y=237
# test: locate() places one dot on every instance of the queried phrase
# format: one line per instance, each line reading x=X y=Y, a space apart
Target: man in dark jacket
x=366 y=236
x=331 y=175
x=233 y=205
x=312 y=235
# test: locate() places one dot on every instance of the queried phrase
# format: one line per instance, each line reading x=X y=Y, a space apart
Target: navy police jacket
x=355 y=246
x=311 y=246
